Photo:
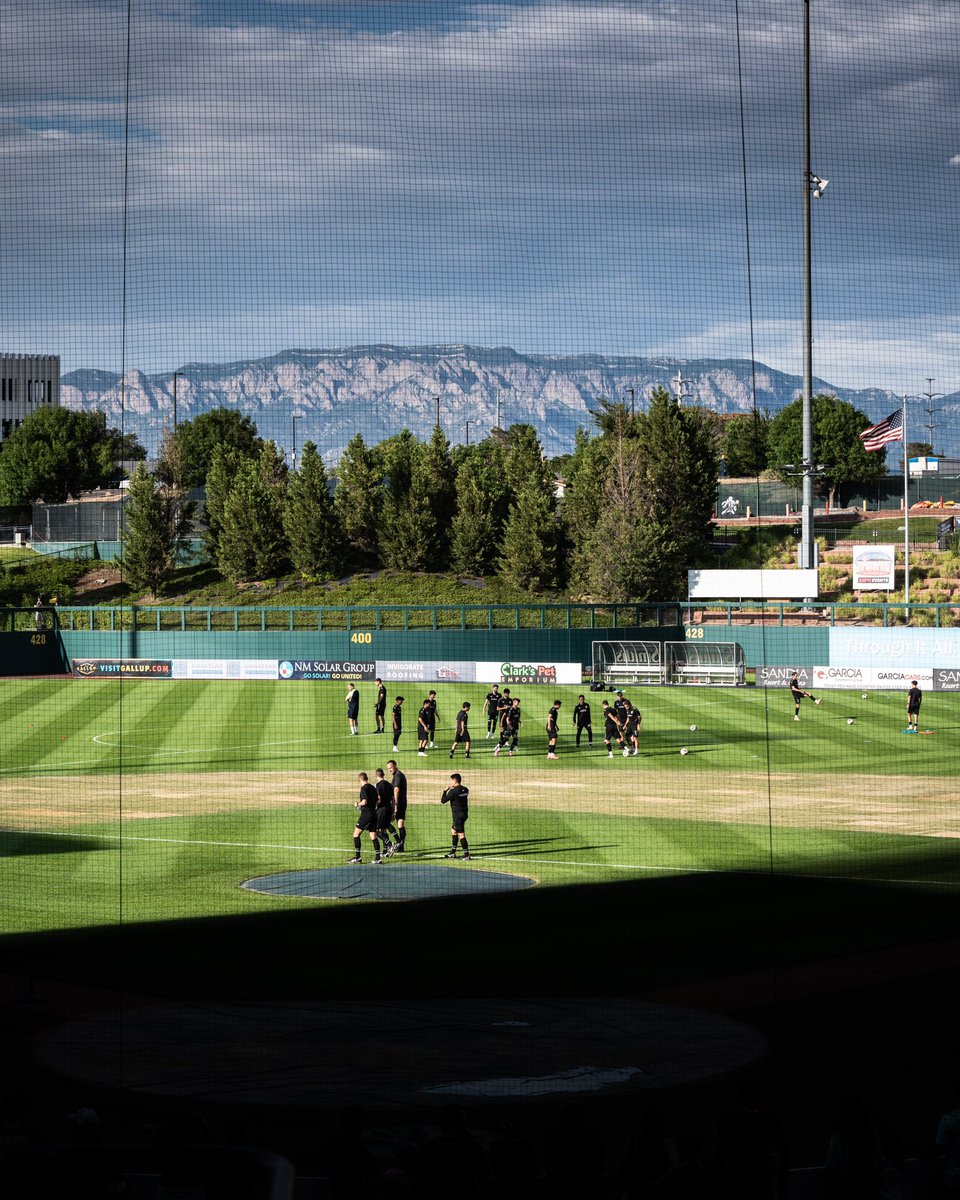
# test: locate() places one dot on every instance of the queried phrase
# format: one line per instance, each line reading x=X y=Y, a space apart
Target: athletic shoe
x=394 y=749
x=432 y=747
x=398 y=848
x=354 y=860
x=452 y=854
x=551 y=756
x=451 y=754
x=819 y=700
x=610 y=755
x=377 y=862
x=496 y=751
x=796 y=718
x=389 y=850
x=423 y=753
x=634 y=753
x=509 y=754
x=465 y=857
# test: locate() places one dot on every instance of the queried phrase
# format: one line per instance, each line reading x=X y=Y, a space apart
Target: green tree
x=473 y=532
x=919 y=449
x=359 y=497
x=583 y=501
x=219 y=429
x=309 y=520
x=837 y=426
x=528 y=556
x=439 y=484
x=745 y=445
x=674 y=485
x=523 y=460
x=251 y=542
x=224 y=466
x=156 y=523
x=409 y=530
x=58 y=452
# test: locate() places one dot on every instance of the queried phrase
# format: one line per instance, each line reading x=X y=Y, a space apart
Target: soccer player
x=620 y=706
x=366 y=820
x=385 y=825
x=462 y=732
x=399 y=803
x=611 y=728
x=423 y=729
x=353 y=708
x=798 y=694
x=509 y=729
x=380 y=707
x=631 y=730
x=456 y=795
x=914 y=700
x=553 y=728
x=431 y=705
x=491 y=707
x=397 y=718
x=581 y=720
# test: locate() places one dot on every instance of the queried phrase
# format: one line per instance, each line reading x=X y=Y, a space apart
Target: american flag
x=890 y=429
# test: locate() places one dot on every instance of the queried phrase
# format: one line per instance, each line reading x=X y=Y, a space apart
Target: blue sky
x=557 y=177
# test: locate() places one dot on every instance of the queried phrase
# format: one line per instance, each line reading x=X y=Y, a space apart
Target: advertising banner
x=874 y=568
x=876 y=679
x=873 y=646
x=315 y=668
x=224 y=668
x=773 y=584
x=781 y=676
x=123 y=668
x=946 y=679
x=412 y=671
x=527 y=672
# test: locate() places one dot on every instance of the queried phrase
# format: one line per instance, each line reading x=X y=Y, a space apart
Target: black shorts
x=401 y=811
x=367 y=820
x=384 y=818
x=379 y=710
x=458 y=818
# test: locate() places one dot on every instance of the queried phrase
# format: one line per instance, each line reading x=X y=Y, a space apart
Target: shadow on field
x=632 y=937
x=15 y=843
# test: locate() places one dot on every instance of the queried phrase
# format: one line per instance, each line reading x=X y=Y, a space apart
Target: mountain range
x=326 y=396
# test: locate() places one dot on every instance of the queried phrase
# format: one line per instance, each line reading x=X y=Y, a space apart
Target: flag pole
x=906 y=515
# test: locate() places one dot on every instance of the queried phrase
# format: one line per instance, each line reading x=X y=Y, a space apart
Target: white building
x=27 y=381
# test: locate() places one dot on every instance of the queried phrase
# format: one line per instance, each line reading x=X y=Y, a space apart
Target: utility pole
x=931 y=395
x=176 y=375
x=681 y=383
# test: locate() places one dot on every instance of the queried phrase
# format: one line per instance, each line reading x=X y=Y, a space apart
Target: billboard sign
x=781 y=676
x=314 y=668
x=774 y=584
x=528 y=672
x=224 y=668
x=414 y=671
x=122 y=668
x=874 y=568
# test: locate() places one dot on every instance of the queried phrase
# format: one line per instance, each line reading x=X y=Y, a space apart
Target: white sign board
x=874 y=568
x=871 y=679
x=225 y=668
x=753 y=585
x=529 y=672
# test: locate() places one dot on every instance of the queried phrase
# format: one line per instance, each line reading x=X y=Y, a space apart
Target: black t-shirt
x=581 y=714
x=353 y=703
x=384 y=794
x=424 y=717
x=493 y=702
x=368 y=795
x=610 y=721
x=914 y=697
x=552 y=720
x=381 y=705
x=462 y=718
x=795 y=688
x=430 y=708
x=456 y=797
x=400 y=787
x=397 y=715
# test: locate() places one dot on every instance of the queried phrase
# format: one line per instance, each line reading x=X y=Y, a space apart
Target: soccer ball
x=684 y=750
x=693 y=729
x=849 y=720
x=864 y=696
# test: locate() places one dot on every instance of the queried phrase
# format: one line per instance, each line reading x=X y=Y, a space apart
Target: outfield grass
x=153 y=801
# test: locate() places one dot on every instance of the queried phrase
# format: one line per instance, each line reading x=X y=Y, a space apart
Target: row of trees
x=632 y=516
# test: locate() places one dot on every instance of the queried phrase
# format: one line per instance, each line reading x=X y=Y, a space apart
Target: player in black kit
x=397 y=721
x=611 y=729
x=491 y=706
x=423 y=729
x=366 y=820
x=399 y=803
x=380 y=707
x=581 y=719
x=509 y=729
x=430 y=704
x=553 y=729
x=457 y=796
x=385 y=825
x=462 y=732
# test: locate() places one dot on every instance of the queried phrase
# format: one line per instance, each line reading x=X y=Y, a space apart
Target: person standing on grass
x=553 y=728
x=397 y=718
x=366 y=820
x=914 y=700
x=581 y=720
x=385 y=825
x=380 y=707
x=798 y=694
x=423 y=729
x=491 y=707
x=431 y=705
x=631 y=731
x=353 y=708
x=611 y=728
x=399 y=781
x=456 y=795
x=462 y=731
x=509 y=729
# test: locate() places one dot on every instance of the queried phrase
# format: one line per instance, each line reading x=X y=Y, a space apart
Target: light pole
x=812 y=185
x=469 y=423
x=294 y=418
x=931 y=395
x=632 y=393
